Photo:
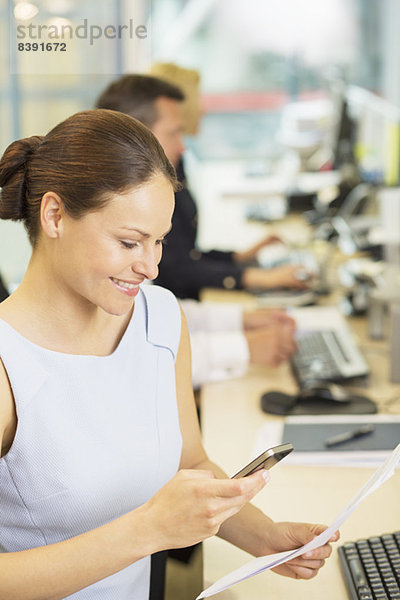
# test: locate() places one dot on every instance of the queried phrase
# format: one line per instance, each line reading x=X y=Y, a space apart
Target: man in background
x=224 y=338
x=185 y=269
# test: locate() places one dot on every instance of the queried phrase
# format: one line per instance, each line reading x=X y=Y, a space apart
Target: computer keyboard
x=326 y=355
x=313 y=358
x=371 y=567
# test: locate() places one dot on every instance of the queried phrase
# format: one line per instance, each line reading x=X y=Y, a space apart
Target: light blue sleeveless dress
x=96 y=436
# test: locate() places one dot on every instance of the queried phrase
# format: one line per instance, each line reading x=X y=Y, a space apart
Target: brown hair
x=84 y=159
x=135 y=95
x=188 y=81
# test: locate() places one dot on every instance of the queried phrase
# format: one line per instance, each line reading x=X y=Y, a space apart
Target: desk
x=231 y=419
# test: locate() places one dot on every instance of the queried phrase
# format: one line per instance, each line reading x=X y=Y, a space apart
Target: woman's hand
x=286 y=536
x=194 y=503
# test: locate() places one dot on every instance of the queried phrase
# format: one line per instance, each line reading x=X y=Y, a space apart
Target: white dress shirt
x=219 y=347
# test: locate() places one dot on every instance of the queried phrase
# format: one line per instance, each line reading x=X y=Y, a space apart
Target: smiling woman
x=74 y=190
x=104 y=255
x=101 y=459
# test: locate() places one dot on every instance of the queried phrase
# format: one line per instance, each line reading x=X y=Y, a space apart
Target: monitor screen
x=376 y=137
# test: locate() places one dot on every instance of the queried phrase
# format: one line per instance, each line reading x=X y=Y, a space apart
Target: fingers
x=239 y=490
x=225 y=497
x=307 y=565
x=318 y=529
x=285 y=343
x=290 y=276
x=301 y=276
x=236 y=489
x=314 y=565
x=198 y=503
x=271 y=346
x=319 y=553
x=244 y=486
x=299 y=568
x=295 y=276
x=276 y=314
x=288 y=341
x=296 y=572
x=324 y=551
x=303 y=572
x=220 y=495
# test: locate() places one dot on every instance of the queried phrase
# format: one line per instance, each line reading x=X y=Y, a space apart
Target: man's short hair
x=135 y=95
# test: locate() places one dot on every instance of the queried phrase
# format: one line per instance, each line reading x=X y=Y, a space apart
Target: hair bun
x=12 y=177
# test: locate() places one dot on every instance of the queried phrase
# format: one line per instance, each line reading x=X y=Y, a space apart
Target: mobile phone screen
x=266 y=460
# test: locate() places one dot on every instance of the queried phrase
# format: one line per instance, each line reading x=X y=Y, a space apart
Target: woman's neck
x=42 y=311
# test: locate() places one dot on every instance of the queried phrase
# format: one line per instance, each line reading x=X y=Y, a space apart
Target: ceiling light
x=25 y=11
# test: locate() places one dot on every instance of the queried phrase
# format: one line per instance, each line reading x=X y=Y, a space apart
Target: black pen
x=349 y=435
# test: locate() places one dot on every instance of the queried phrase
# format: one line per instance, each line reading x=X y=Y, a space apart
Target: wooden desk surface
x=231 y=419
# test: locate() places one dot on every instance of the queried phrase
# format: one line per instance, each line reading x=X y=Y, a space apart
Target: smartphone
x=266 y=460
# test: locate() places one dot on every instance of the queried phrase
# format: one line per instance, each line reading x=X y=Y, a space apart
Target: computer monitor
x=369 y=217
x=377 y=154
x=344 y=128
x=377 y=137
x=3 y=290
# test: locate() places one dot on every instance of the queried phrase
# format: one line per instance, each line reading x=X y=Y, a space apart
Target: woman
x=102 y=463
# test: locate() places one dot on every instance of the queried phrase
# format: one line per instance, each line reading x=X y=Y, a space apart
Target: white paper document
x=262 y=563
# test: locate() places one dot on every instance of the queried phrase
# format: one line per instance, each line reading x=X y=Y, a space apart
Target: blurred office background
x=255 y=58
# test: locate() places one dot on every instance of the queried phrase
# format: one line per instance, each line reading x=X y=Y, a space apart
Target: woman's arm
x=189 y=508
x=58 y=570
x=249 y=529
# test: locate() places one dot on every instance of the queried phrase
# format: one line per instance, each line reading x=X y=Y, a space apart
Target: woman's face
x=104 y=256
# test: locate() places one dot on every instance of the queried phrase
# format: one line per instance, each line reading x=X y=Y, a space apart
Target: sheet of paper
x=262 y=563
x=316 y=317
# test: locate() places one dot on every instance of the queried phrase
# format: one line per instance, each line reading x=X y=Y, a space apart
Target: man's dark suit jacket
x=184 y=269
x=3 y=292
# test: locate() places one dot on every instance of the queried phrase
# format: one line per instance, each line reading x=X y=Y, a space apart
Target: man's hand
x=287 y=276
x=271 y=345
x=251 y=253
x=265 y=317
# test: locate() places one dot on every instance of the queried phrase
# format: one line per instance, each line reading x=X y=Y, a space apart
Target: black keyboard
x=371 y=567
x=313 y=359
